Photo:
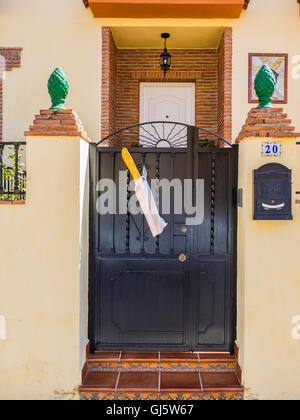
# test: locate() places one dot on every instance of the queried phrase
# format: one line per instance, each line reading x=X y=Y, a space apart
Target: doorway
x=167 y=102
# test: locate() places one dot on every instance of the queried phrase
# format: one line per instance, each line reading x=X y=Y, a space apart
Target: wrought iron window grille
x=12 y=171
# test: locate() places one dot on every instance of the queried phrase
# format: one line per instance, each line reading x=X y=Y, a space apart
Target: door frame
x=167 y=84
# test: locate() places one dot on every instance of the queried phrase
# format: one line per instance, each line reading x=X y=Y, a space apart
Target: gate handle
x=130 y=164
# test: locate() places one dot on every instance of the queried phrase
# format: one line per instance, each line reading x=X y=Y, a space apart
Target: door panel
x=209 y=285
x=142 y=302
x=168 y=102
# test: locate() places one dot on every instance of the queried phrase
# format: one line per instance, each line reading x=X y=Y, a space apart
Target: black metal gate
x=176 y=292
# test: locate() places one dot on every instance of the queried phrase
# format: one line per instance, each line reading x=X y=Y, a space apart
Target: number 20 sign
x=271 y=149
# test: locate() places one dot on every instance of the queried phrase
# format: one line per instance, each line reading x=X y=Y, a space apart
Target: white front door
x=169 y=103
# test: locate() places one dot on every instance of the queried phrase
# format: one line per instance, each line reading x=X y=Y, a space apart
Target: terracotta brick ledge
x=11 y=202
x=272 y=122
x=61 y=122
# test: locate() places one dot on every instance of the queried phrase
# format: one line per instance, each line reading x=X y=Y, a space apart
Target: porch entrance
x=175 y=292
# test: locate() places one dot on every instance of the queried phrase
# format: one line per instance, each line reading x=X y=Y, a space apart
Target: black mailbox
x=273 y=192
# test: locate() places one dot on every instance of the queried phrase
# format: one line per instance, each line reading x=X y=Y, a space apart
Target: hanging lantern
x=165 y=57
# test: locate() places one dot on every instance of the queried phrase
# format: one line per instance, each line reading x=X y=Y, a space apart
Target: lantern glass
x=165 y=61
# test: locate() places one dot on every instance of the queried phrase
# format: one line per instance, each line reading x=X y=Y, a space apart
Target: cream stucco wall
x=268 y=284
x=64 y=33
x=52 y=33
x=268 y=26
x=43 y=274
x=84 y=185
x=43 y=287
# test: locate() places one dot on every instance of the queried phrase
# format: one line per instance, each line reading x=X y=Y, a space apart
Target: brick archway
x=210 y=69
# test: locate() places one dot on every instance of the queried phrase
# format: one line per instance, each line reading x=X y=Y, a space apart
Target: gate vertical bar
x=192 y=160
x=157 y=178
x=143 y=226
x=191 y=173
x=127 y=228
x=172 y=203
x=113 y=165
x=213 y=203
x=192 y=157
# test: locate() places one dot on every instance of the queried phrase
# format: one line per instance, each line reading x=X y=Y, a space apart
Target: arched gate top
x=163 y=134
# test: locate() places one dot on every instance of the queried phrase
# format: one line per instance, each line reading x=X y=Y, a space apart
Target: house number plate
x=271 y=149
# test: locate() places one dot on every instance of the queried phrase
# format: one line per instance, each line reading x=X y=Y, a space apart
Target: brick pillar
x=54 y=123
x=109 y=80
x=269 y=123
x=225 y=85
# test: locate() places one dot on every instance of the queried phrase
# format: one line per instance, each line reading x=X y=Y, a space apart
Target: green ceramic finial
x=58 y=88
x=264 y=85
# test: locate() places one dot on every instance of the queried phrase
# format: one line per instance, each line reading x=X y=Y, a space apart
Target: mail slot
x=273 y=192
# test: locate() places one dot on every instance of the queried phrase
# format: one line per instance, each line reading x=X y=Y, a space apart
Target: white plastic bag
x=148 y=205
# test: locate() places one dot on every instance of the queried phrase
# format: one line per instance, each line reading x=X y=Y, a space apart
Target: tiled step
x=164 y=361
x=153 y=376
x=160 y=385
